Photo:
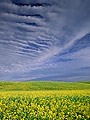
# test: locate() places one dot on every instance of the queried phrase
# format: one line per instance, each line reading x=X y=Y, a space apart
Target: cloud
x=34 y=34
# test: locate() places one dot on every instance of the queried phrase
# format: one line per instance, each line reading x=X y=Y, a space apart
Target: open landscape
x=44 y=100
x=44 y=59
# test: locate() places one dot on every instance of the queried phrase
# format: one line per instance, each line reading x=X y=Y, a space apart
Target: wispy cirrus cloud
x=38 y=35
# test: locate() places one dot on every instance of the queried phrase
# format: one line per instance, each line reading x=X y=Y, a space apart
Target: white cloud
x=28 y=47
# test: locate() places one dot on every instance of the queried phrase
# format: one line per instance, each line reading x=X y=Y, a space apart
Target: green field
x=45 y=100
x=41 y=85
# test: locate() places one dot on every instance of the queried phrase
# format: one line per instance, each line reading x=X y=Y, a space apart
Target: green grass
x=41 y=85
x=86 y=82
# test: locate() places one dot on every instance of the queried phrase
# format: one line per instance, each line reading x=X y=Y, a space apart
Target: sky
x=46 y=40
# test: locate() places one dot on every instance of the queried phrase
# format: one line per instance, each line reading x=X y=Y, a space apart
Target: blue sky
x=44 y=40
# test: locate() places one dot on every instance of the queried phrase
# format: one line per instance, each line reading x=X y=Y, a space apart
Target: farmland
x=44 y=101
x=41 y=85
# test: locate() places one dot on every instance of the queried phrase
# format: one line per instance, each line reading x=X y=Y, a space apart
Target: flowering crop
x=45 y=105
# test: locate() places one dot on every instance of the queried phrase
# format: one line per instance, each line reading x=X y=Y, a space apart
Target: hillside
x=42 y=85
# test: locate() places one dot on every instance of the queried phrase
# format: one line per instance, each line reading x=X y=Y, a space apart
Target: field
x=45 y=100
x=39 y=86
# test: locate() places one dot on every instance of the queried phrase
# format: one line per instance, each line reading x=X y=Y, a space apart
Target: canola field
x=45 y=104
